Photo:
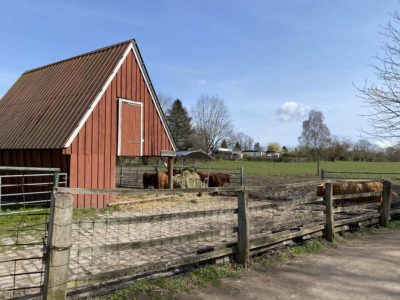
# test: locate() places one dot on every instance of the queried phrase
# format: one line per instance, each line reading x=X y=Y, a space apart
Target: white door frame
x=130 y=102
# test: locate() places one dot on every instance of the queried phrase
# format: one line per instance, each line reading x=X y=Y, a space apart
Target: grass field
x=303 y=168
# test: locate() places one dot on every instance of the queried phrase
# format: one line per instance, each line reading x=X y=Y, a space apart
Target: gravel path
x=367 y=268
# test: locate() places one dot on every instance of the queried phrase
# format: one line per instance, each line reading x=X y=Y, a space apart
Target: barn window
x=130 y=128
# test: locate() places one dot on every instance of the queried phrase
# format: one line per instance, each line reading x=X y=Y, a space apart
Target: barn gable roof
x=47 y=106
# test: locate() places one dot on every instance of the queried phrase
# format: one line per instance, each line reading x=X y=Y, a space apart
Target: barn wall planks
x=93 y=153
x=46 y=158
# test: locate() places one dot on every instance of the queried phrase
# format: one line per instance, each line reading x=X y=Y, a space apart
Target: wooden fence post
x=58 y=248
x=329 y=213
x=241 y=176
x=56 y=179
x=171 y=172
x=322 y=174
x=386 y=203
x=243 y=230
x=118 y=170
x=0 y=192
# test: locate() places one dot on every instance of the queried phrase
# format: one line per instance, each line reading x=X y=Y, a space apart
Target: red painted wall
x=93 y=153
x=43 y=158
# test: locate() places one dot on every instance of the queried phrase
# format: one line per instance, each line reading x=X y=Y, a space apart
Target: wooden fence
x=248 y=237
x=84 y=255
x=394 y=177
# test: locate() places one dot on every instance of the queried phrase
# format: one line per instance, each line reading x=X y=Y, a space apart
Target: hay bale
x=188 y=180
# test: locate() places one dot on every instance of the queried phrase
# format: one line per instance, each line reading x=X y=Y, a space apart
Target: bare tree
x=383 y=98
x=315 y=134
x=245 y=141
x=211 y=120
x=166 y=102
x=364 y=150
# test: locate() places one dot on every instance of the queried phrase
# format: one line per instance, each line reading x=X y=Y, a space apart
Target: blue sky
x=271 y=61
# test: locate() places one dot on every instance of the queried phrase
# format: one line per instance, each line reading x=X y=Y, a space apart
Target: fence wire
x=153 y=233
x=24 y=215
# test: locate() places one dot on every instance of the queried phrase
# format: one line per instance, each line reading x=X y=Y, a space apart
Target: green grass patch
x=283 y=255
x=93 y=213
x=31 y=222
x=23 y=223
x=367 y=231
x=395 y=225
x=169 y=288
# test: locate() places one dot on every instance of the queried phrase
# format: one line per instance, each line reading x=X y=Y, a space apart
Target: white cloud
x=385 y=143
x=291 y=110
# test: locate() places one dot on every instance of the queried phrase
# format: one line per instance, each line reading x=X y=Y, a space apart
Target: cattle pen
x=131 y=176
x=164 y=232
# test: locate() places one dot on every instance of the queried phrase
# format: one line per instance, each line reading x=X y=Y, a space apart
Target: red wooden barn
x=79 y=114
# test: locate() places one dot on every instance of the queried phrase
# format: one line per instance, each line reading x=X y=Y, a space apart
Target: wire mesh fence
x=148 y=233
x=292 y=214
x=22 y=242
x=151 y=234
x=24 y=215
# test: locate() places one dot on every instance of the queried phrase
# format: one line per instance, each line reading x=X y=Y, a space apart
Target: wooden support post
x=0 y=192
x=386 y=203
x=56 y=179
x=330 y=221
x=243 y=230
x=241 y=176
x=171 y=172
x=58 y=248
x=118 y=176
x=322 y=174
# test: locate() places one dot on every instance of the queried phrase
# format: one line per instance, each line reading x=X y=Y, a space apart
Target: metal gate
x=25 y=197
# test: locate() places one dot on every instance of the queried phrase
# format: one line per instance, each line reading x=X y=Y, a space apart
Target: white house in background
x=253 y=153
x=228 y=153
x=273 y=155
x=237 y=154
x=223 y=152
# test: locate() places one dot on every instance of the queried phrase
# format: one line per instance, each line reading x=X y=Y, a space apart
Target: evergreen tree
x=224 y=144
x=180 y=125
x=257 y=147
x=237 y=146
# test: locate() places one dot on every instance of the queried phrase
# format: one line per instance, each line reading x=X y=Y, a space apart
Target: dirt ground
x=367 y=268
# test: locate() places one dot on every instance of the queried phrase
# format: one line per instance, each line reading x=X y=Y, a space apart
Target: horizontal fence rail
x=393 y=176
x=28 y=189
